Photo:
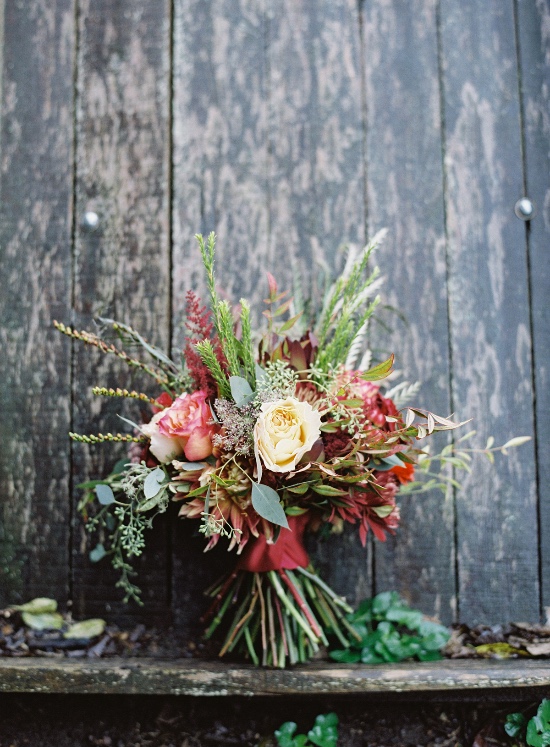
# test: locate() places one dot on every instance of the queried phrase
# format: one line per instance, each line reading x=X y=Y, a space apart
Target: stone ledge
x=212 y=678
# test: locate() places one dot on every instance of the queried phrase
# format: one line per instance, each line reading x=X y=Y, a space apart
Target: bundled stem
x=269 y=616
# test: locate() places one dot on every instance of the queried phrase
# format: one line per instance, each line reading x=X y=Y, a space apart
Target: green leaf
x=325 y=731
x=289 y=323
x=38 y=606
x=517 y=441
x=387 y=463
x=295 y=511
x=260 y=373
x=368 y=656
x=285 y=733
x=411 y=619
x=328 y=490
x=266 y=502
x=191 y=466
x=97 y=553
x=544 y=713
x=120 y=466
x=346 y=656
x=351 y=402
x=86 y=629
x=43 y=621
x=104 y=494
x=379 y=372
x=299 y=489
x=534 y=736
x=429 y=655
x=383 y=511
x=153 y=482
x=382 y=602
x=198 y=491
x=241 y=391
x=151 y=503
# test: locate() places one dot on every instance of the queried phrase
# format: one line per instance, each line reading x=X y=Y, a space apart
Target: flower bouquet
x=260 y=437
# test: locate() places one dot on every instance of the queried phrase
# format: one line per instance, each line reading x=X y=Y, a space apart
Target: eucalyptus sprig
x=129 y=500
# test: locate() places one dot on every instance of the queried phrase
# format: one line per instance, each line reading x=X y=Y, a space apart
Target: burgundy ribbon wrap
x=287 y=553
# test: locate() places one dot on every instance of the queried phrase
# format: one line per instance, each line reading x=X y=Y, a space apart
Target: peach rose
x=188 y=421
x=284 y=432
x=164 y=448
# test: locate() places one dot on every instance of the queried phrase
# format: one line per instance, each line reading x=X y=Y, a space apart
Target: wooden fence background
x=287 y=127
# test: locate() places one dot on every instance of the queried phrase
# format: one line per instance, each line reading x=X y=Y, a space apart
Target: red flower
x=200 y=327
x=404 y=472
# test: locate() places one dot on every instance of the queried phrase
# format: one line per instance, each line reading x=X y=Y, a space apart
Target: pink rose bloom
x=188 y=420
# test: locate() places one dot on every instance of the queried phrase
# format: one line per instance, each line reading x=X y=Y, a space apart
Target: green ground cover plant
x=390 y=631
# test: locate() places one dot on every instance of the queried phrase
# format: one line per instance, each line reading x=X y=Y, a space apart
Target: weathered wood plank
x=205 y=678
x=35 y=275
x=490 y=332
x=220 y=184
x=534 y=46
x=405 y=194
x=122 y=268
x=317 y=181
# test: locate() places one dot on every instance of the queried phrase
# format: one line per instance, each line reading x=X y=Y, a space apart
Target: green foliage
x=436 y=471
x=239 y=354
x=390 y=631
x=536 y=731
x=323 y=734
x=129 y=499
x=347 y=309
x=267 y=504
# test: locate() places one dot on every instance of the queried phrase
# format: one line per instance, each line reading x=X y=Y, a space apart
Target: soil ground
x=141 y=721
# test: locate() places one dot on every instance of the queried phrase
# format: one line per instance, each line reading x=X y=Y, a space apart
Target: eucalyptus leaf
x=388 y=463
x=97 y=553
x=241 y=391
x=261 y=374
x=152 y=483
x=151 y=503
x=85 y=629
x=43 y=621
x=266 y=502
x=191 y=466
x=104 y=494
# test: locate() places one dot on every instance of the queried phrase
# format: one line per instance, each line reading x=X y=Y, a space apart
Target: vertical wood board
x=490 y=330
x=219 y=184
x=316 y=184
x=405 y=194
x=122 y=267
x=35 y=276
x=534 y=46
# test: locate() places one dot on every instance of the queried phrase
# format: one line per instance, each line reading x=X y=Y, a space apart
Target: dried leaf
x=86 y=629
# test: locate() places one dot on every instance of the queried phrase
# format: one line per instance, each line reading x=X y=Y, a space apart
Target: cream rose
x=284 y=432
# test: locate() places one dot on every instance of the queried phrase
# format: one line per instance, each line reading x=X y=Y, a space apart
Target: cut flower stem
x=276 y=617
